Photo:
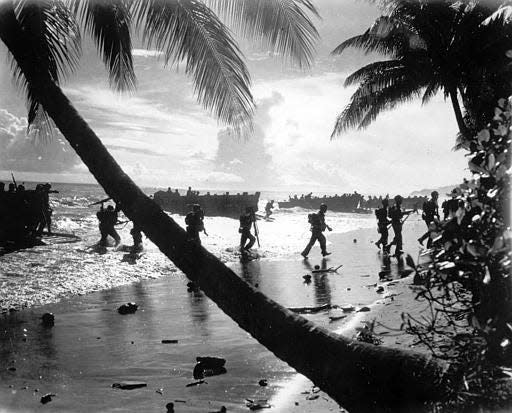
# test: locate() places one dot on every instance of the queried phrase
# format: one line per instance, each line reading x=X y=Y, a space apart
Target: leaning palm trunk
x=359 y=376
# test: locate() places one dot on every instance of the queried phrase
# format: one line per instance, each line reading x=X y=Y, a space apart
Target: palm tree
x=433 y=46
x=43 y=39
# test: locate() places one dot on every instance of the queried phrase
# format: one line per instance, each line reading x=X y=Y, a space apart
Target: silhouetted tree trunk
x=359 y=376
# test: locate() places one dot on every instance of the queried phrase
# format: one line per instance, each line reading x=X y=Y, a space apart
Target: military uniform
x=195 y=225
x=396 y=214
x=318 y=226
x=246 y=221
x=382 y=226
x=108 y=218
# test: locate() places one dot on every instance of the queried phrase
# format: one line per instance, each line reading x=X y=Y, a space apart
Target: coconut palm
x=43 y=39
x=433 y=46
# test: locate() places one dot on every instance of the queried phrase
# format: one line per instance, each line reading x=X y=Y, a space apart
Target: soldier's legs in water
x=312 y=241
x=243 y=240
x=113 y=233
x=252 y=240
x=384 y=233
x=104 y=235
x=322 y=241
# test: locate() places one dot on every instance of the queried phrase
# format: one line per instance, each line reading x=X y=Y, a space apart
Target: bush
x=467 y=280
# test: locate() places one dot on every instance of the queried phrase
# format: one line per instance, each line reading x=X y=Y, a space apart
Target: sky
x=162 y=137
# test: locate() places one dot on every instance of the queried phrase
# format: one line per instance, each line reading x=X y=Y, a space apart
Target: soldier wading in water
x=246 y=222
x=318 y=226
x=108 y=218
x=195 y=224
x=382 y=224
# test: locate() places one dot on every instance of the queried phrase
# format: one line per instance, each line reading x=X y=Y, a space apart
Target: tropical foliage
x=468 y=282
x=462 y=49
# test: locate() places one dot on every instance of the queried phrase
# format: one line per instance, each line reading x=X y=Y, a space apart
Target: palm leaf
x=55 y=39
x=189 y=31
x=375 y=94
x=109 y=23
x=282 y=25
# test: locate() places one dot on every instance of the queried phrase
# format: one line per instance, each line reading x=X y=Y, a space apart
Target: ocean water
x=45 y=274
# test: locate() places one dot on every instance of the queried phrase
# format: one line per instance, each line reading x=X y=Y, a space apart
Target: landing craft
x=223 y=205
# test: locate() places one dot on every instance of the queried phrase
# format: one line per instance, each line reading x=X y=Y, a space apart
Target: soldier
x=246 y=222
x=318 y=226
x=429 y=215
x=195 y=225
x=396 y=214
x=46 y=210
x=107 y=219
x=382 y=224
x=450 y=203
x=268 y=208
x=136 y=234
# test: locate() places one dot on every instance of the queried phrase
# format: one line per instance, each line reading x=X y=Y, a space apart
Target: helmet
x=398 y=198
x=323 y=207
x=196 y=207
x=434 y=194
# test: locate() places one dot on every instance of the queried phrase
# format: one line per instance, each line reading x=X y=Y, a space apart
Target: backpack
x=314 y=219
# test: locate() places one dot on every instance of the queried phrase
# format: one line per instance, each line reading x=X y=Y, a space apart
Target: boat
x=221 y=205
x=353 y=203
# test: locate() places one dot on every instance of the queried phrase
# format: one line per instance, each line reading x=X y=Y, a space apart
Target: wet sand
x=91 y=346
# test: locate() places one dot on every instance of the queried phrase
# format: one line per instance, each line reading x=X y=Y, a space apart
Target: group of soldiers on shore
x=394 y=216
x=387 y=216
x=24 y=213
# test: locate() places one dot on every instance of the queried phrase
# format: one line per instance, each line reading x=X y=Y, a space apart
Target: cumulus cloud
x=249 y=159
x=19 y=152
x=146 y=53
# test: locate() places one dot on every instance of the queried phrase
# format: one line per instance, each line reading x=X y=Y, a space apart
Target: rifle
x=100 y=202
x=256 y=230
x=14 y=181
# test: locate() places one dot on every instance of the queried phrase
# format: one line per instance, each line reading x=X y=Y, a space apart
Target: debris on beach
x=209 y=366
x=160 y=391
x=12 y=368
x=128 y=308
x=363 y=309
x=165 y=341
x=307 y=278
x=310 y=310
x=169 y=407
x=48 y=320
x=379 y=289
x=196 y=383
x=347 y=308
x=337 y=315
x=222 y=410
x=312 y=397
x=263 y=382
x=47 y=398
x=129 y=385
x=257 y=404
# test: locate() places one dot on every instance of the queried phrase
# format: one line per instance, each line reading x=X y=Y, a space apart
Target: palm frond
x=109 y=23
x=430 y=92
x=55 y=38
x=373 y=96
x=375 y=70
x=282 y=25
x=189 y=31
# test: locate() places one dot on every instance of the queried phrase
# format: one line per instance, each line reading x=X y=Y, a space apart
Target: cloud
x=249 y=158
x=146 y=53
x=19 y=152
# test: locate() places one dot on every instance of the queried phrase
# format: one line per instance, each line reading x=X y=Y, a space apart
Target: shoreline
x=89 y=335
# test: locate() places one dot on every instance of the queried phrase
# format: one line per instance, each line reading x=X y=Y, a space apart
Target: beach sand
x=91 y=346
